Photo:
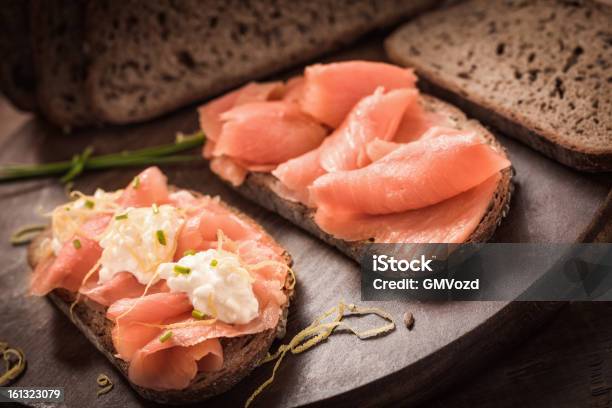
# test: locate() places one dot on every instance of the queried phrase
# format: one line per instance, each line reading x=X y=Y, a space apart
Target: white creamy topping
x=216 y=283
x=133 y=244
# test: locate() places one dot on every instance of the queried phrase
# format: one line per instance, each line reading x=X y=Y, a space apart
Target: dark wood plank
x=551 y=203
x=565 y=365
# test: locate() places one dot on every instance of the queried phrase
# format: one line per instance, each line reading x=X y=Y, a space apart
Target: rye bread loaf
x=261 y=188
x=17 y=76
x=240 y=354
x=539 y=71
x=58 y=29
x=148 y=58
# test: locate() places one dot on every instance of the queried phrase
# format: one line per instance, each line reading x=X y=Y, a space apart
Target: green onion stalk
x=69 y=170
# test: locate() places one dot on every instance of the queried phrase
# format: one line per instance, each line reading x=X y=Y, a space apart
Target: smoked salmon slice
x=165 y=366
x=148 y=188
x=330 y=91
x=416 y=121
x=228 y=170
x=415 y=175
x=68 y=268
x=200 y=230
x=267 y=133
x=211 y=124
x=122 y=286
x=293 y=89
x=377 y=149
x=73 y=261
x=450 y=221
x=376 y=116
x=95 y=226
x=209 y=113
x=128 y=336
x=298 y=174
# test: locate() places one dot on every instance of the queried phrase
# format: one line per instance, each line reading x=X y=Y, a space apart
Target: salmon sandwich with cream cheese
x=183 y=293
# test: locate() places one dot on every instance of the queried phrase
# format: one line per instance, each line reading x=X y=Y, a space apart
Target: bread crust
x=241 y=354
x=261 y=188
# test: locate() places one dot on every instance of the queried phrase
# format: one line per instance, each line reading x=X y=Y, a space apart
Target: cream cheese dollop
x=216 y=283
x=138 y=240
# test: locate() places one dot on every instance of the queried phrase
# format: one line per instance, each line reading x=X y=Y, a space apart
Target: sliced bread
x=240 y=354
x=261 y=188
x=58 y=28
x=148 y=58
x=17 y=76
x=539 y=71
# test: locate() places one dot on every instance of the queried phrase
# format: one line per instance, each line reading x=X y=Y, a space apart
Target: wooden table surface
x=567 y=363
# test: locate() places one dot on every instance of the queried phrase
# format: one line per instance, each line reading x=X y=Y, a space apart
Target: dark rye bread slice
x=148 y=58
x=539 y=71
x=261 y=188
x=241 y=354
x=17 y=76
x=58 y=30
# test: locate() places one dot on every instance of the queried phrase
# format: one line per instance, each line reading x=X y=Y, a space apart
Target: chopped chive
x=121 y=217
x=214 y=263
x=183 y=270
x=165 y=337
x=161 y=238
x=90 y=204
x=197 y=314
x=155 y=208
x=136 y=183
x=67 y=208
x=189 y=252
x=77 y=244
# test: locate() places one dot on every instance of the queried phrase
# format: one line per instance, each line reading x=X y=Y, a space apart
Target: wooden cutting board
x=550 y=204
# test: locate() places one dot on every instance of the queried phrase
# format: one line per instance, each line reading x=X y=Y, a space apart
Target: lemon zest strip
x=319 y=331
x=12 y=370
x=104 y=382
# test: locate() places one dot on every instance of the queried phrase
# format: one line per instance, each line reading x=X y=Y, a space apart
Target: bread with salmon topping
x=262 y=187
x=240 y=354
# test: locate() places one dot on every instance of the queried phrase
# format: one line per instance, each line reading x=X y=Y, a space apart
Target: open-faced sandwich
x=181 y=292
x=353 y=153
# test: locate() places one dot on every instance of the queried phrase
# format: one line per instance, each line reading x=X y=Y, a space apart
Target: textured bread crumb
x=151 y=57
x=17 y=77
x=544 y=64
x=58 y=28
